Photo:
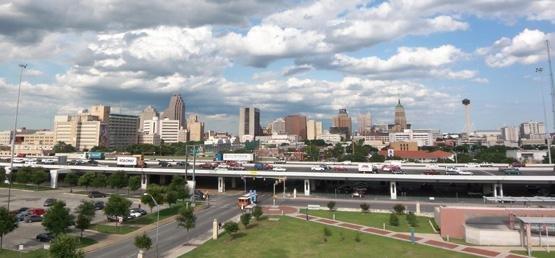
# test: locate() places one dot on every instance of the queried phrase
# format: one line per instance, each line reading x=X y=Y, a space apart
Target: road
x=171 y=236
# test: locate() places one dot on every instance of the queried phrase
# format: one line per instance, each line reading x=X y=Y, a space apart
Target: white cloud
x=528 y=47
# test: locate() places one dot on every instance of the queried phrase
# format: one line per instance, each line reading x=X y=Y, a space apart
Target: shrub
x=357 y=237
x=331 y=205
x=327 y=232
x=393 y=220
x=399 y=209
x=246 y=219
x=411 y=219
x=257 y=212
x=364 y=207
x=231 y=228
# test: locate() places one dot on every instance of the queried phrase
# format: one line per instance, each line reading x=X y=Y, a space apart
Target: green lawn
x=111 y=229
x=374 y=220
x=85 y=241
x=151 y=217
x=290 y=237
x=537 y=254
x=4 y=253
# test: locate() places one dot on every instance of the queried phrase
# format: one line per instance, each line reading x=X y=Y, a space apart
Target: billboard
x=126 y=161
x=239 y=156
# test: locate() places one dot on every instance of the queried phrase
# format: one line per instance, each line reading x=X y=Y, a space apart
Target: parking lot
x=26 y=232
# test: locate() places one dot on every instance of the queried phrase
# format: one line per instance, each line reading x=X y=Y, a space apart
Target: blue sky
x=285 y=57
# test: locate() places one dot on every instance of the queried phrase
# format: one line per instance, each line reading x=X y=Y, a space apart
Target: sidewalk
x=422 y=239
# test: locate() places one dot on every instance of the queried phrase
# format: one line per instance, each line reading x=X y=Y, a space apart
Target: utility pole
x=547 y=134
x=552 y=96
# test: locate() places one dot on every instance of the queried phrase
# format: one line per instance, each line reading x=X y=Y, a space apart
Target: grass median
x=109 y=229
x=290 y=237
x=152 y=216
x=376 y=220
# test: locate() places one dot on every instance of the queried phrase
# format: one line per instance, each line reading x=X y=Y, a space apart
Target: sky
x=284 y=57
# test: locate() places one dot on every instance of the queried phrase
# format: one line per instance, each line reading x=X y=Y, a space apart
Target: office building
x=195 y=128
x=422 y=139
x=278 y=126
x=176 y=110
x=313 y=130
x=510 y=134
x=532 y=130
x=342 y=120
x=100 y=111
x=400 y=123
x=148 y=114
x=146 y=138
x=6 y=137
x=364 y=123
x=169 y=130
x=83 y=131
x=249 y=123
x=296 y=125
x=123 y=130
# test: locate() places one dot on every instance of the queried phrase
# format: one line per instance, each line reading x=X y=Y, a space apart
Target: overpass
x=496 y=181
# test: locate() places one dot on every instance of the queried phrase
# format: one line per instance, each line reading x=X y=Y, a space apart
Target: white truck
x=131 y=161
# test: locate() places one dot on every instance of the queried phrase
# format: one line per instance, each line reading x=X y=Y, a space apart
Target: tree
x=133 y=184
x=257 y=212
x=376 y=158
x=157 y=192
x=171 y=197
x=8 y=223
x=246 y=219
x=393 y=219
x=186 y=218
x=2 y=175
x=179 y=186
x=65 y=246
x=57 y=219
x=331 y=205
x=62 y=147
x=312 y=152
x=364 y=207
x=399 y=209
x=117 y=180
x=117 y=206
x=231 y=228
x=23 y=175
x=72 y=180
x=86 y=179
x=100 y=180
x=411 y=219
x=143 y=242
x=85 y=213
x=38 y=177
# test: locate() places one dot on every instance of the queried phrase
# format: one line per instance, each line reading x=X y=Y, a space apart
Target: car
x=44 y=237
x=517 y=164
x=182 y=164
x=136 y=212
x=486 y=165
x=357 y=195
x=340 y=168
x=96 y=194
x=22 y=209
x=49 y=202
x=280 y=169
x=452 y=170
x=471 y=165
x=510 y=171
x=21 y=216
x=465 y=173
x=431 y=172
x=32 y=218
x=116 y=218
x=164 y=164
x=99 y=205
x=317 y=168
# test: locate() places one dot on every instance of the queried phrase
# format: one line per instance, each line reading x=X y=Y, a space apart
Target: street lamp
x=547 y=134
x=23 y=67
x=157 y=219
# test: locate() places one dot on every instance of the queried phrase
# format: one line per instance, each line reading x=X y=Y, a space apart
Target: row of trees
x=163 y=149
x=232 y=227
x=176 y=190
x=116 y=180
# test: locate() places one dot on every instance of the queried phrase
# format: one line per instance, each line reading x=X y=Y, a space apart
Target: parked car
x=280 y=169
x=96 y=194
x=49 y=202
x=44 y=237
x=21 y=216
x=136 y=212
x=32 y=218
x=99 y=205
x=510 y=171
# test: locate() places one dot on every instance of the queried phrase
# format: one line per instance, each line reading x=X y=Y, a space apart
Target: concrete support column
x=393 y=190
x=233 y=183
x=215 y=229
x=501 y=190
x=221 y=184
x=144 y=181
x=53 y=178
x=495 y=190
x=8 y=172
x=528 y=239
x=417 y=212
x=306 y=187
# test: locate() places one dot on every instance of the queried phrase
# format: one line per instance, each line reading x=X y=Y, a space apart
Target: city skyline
x=254 y=56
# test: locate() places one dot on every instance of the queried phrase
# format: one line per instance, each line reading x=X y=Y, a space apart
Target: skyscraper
x=278 y=126
x=364 y=123
x=148 y=113
x=313 y=130
x=249 y=123
x=122 y=130
x=176 y=110
x=296 y=125
x=342 y=122
x=400 y=118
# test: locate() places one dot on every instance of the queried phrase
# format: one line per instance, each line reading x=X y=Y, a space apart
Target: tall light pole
x=23 y=67
x=546 y=128
x=157 y=219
